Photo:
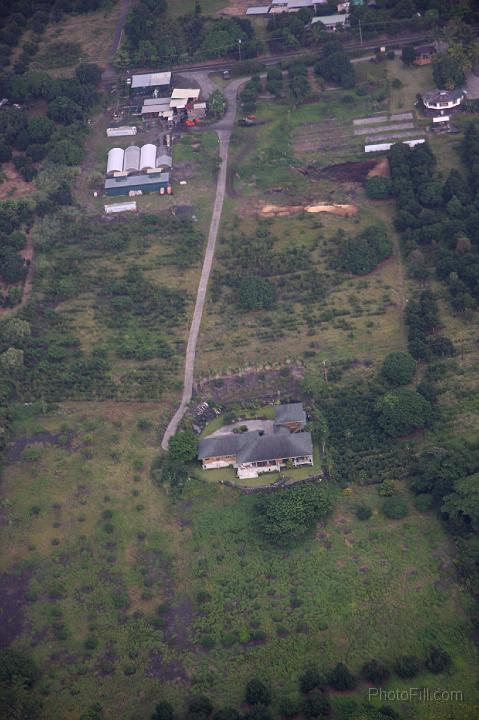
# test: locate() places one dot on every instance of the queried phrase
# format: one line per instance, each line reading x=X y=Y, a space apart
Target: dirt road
x=223 y=129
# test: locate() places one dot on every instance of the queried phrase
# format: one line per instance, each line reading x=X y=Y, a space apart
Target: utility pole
x=360 y=32
x=239 y=49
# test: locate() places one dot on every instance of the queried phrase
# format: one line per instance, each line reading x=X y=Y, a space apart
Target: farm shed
x=258 y=10
x=188 y=94
x=121 y=131
x=131 y=162
x=424 y=54
x=120 y=207
x=145 y=183
x=148 y=157
x=382 y=147
x=150 y=80
x=115 y=160
x=330 y=22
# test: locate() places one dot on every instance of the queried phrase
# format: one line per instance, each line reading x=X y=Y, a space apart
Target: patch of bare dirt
x=13 y=186
x=13 y=587
x=333 y=208
x=381 y=169
x=236 y=7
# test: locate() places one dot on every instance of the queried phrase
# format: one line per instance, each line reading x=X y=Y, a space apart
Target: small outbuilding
x=332 y=22
x=424 y=54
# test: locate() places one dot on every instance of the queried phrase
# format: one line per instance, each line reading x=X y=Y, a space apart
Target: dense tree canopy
x=399 y=368
x=288 y=514
x=402 y=410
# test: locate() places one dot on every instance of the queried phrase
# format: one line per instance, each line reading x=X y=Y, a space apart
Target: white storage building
x=148 y=157
x=149 y=80
x=131 y=161
x=115 y=160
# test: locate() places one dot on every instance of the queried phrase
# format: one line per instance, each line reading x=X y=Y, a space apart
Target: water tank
x=131 y=162
x=115 y=160
x=148 y=157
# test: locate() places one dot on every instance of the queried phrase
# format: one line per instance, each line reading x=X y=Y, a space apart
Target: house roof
x=253 y=447
x=290 y=412
x=436 y=96
x=331 y=19
x=270 y=447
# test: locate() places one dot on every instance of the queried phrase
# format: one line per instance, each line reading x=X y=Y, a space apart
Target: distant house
x=343 y=7
x=332 y=22
x=443 y=100
x=256 y=451
x=424 y=54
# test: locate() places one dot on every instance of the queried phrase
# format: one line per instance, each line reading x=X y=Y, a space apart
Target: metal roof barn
x=145 y=183
x=157 y=101
x=115 y=160
x=131 y=161
x=150 y=80
x=179 y=103
x=148 y=157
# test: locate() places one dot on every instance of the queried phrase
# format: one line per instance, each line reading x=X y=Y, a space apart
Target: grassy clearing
x=93 y=32
x=415 y=80
x=353 y=591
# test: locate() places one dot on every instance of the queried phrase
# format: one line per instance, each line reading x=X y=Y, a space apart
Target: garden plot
x=325 y=136
x=384 y=127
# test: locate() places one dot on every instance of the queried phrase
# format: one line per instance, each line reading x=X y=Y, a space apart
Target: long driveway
x=223 y=129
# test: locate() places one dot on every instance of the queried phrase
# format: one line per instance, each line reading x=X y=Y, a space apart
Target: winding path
x=223 y=129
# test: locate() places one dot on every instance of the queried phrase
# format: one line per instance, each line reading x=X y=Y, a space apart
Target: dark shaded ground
x=13 y=587
x=16 y=448
x=342 y=172
x=266 y=385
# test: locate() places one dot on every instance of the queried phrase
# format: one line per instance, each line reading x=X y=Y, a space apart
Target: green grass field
x=98 y=548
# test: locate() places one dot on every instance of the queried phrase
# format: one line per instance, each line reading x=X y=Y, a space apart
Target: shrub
x=257 y=693
x=394 y=508
x=375 y=671
x=363 y=512
x=310 y=680
x=424 y=502
x=386 y=488
x=91 y=643
x=340 y=678
x=402 y=410
x=406 y=666
x=316 y=704
x=362 y=253
x=163 y=711
x=200 y=708
x=399 y=368
x=183 y=446
x=378 y=188
x=437 y=660
x=256 y=293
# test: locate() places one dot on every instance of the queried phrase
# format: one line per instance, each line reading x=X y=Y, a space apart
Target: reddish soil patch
x=236 y=7
x=14 y=186
x=381 y=169
x=13 y=587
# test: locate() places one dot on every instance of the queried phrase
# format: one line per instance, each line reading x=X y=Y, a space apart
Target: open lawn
x=92 y=549
x=414 y=80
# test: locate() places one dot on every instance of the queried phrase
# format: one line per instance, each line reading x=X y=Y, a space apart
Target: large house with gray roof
x=259 y=451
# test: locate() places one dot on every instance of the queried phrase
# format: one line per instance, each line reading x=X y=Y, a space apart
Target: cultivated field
x=128 y=596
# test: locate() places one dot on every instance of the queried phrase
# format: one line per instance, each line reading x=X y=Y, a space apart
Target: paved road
x=223 y=128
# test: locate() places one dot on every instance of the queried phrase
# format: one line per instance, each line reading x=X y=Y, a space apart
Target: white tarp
x=382 y=147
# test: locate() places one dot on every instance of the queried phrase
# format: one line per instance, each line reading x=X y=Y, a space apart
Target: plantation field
x=92 y=549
